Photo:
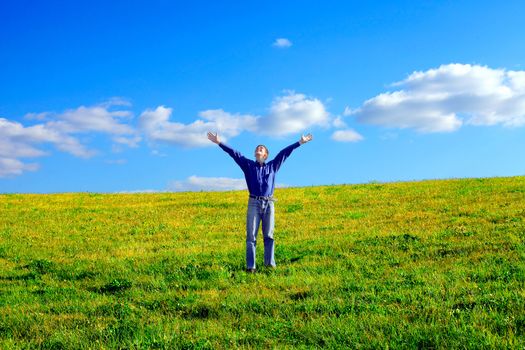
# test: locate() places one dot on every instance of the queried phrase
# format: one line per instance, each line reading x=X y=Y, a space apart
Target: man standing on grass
x=260 y=178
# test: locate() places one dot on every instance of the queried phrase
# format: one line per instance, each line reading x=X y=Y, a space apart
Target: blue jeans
x=260 y=210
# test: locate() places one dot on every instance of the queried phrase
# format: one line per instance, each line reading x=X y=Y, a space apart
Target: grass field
x=431 y=264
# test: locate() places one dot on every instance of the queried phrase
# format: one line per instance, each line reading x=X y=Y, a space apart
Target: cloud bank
x=157 y=127
x=444 y=99
x=291 y=113
x=60 y=130
x=437 y=100
x=197 y=183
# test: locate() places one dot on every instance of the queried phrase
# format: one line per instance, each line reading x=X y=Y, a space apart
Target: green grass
x=432 y=264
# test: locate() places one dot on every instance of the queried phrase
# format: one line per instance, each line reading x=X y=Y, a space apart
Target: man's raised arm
x=236 y=155
x=285 y=153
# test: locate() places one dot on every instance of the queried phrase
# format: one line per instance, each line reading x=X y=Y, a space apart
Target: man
x=260 y=178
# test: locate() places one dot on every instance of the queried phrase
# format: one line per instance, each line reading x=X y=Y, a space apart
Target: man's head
x=261 y=153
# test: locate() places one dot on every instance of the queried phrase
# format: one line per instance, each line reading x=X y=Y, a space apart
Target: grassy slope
x=424 y=264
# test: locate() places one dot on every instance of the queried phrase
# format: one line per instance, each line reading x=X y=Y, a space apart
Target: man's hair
x=266 y=148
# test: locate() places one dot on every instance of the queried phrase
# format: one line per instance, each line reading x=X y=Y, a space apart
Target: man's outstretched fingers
x=213 y=137
x=305 y=139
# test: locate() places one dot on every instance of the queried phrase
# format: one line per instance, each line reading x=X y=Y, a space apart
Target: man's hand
x=214 y=137
x=305 y=139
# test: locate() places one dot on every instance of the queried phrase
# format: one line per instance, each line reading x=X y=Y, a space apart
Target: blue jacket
x=260 y=178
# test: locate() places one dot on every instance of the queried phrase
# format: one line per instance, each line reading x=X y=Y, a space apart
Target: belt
x=261 y=197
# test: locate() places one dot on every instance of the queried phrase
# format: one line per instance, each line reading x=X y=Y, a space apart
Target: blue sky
x=118 y=96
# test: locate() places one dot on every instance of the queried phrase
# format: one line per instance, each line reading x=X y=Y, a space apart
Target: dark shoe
x=250 y=270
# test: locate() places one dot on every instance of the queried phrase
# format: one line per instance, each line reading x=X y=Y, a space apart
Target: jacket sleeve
x=236 y=155
x=282 y=155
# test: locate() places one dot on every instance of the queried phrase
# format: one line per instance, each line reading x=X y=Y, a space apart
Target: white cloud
x=13 y=167
x=196 y=183
x=16 y=140
x=19 y=141
x=289 y=114
x=292 y=114
x=443 y=99
x=282 y=43
x=338 y=122
x=131 y=142
x=517 y=80
x=228 y=124
x=156 y=126
x=348 y=111
x=92 y=119
x=71 y=145
x=348 y=135
x=204 y=184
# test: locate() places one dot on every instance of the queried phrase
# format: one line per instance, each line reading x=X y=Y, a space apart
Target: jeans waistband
x=269 y=198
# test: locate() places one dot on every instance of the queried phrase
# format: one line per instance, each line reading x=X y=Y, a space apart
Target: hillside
x=431 y=264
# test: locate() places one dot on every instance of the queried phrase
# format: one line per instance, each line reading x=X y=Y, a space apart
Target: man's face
x=261 y=154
